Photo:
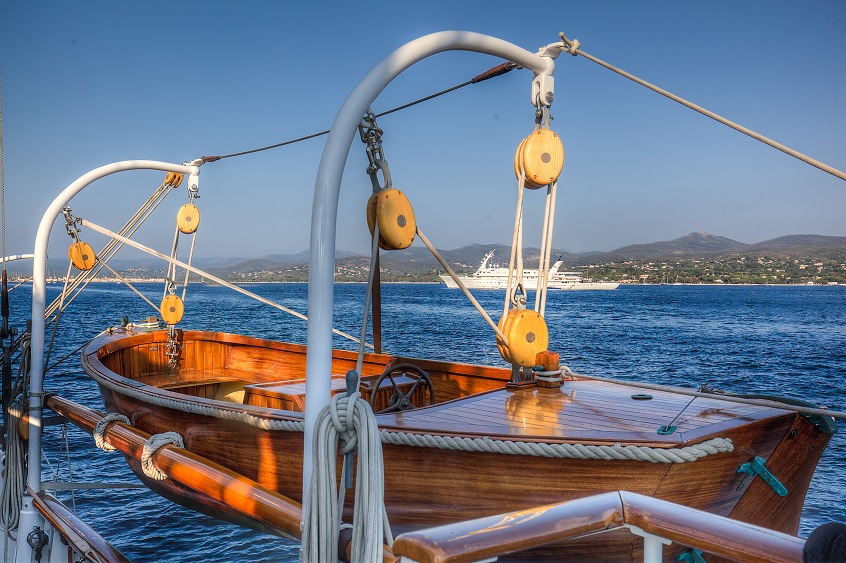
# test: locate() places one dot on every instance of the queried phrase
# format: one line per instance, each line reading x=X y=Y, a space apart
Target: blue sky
x=89 y=83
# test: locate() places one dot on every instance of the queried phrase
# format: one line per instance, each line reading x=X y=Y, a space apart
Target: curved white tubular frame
x=328 y=184
x=29 y=517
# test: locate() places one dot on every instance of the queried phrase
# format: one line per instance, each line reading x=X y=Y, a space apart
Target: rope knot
x=99 y=432
x=151 y=446
x=342 y=411
x=574 y=47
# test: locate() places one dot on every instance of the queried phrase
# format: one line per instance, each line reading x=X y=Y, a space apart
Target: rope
x=100 y=429
x=571 y=451
x=2 y=181
x=498 y=70
x=719 y=396
x=207 y=275
x=574 y=49
x=536 y=449
x=15 y=470
x=133 y=288
x=350 y=419
x=461 y=285
x=113 y=246
x=152 y=445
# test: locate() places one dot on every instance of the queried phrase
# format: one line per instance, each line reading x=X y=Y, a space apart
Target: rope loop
x=151 y=446
x=100 y=430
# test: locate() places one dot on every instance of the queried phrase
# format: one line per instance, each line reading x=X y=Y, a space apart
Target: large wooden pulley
x=172 y=309
x=82 y=255
x=543 y=157
x=518 y=167
x=188 y=218
x=527 y=335
x=395 y=217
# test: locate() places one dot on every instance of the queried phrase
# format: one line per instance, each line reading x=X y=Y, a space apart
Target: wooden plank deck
x=583 y=410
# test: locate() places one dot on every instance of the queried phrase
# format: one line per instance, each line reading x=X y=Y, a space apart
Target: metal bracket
x=692 y=556
x=756 y=467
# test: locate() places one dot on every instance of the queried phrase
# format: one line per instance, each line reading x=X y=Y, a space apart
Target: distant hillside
x=699 y=243
x=417 y=263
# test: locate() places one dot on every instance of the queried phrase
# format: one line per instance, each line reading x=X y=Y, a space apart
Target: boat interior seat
x=231 y=392
x=290 y=394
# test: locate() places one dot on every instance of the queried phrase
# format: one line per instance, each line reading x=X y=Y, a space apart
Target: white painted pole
x=328 y=184
x=29 y=518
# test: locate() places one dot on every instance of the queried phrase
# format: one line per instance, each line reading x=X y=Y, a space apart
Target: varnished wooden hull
x=426 y=486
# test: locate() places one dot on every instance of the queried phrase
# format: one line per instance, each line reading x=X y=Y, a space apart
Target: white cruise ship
x=490 y=276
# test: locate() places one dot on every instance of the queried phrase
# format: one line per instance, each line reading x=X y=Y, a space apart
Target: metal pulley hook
x=518 y=298
x=71 y=223
x=378 y=165
x=193 y=192
x=543 y=117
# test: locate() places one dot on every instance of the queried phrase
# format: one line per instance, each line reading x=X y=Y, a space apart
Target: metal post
x=328 y=184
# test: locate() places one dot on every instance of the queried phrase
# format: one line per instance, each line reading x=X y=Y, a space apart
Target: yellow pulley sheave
x=173 y=179
x=82 y=255
x=188 y=218
x=527 y=335
x=541 y=155
x=172 y=309
x=392 y=210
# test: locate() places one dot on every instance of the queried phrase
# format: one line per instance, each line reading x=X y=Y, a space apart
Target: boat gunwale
x=390 y=422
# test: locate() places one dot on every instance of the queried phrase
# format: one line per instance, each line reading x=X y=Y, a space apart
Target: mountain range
x=416 y=260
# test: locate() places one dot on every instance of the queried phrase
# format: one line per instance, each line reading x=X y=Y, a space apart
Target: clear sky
x=88 y=83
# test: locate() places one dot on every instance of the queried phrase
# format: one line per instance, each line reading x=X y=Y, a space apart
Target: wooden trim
x=494 y=536
x=193 y=471
x=85 y=540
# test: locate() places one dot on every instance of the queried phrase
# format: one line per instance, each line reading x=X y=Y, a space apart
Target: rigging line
x=112 y=247
x=199 y=272
x=575 y=50
x=2 y=181
x=461 y=285
x=498 y=70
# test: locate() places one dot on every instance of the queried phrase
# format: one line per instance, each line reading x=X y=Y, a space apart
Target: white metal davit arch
x=328 y=184
x=29 y=517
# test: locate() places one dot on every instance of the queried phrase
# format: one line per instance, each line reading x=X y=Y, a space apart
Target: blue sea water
x=747 y=339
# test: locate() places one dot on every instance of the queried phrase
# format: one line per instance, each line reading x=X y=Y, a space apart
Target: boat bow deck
x=584 y=411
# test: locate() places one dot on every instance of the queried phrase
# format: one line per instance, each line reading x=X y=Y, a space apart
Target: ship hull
x=427 y=486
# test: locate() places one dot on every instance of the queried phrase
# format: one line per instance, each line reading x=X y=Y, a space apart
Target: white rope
x=112 y=247
x=574 y=49
x=14 y=468
x=549 y=218
x=461 y=285
x=350 y=419
x=152 y=445
x=572 y=451
x=207 y=275
x=100 y=430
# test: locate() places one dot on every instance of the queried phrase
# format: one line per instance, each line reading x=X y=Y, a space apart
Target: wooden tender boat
x=227 y=390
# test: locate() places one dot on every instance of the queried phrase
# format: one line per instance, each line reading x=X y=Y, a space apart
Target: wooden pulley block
x=173 y=179
x=172 y=309
x=82 y=255
x=543 y=157
x=393 y=212
x=518 y=166
x=188 y=218
x=527 y=335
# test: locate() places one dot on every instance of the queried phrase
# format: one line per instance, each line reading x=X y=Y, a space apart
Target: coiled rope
x=152 y=445
x=100 y=429
x=350 y=419
x=11 y=497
